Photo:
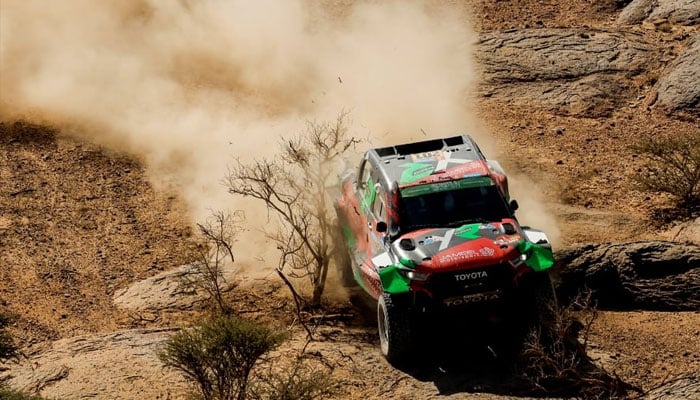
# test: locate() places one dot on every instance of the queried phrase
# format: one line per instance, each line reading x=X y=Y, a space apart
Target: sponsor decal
x=506 y=240
x=469 y=231
x=487 y=251
x=469 y=169
x=472 y=298
x=415 y=171
x=370 y=195
x=471 y=275
x=458 y=256
x=413 y=191
x=431 y=239
x=465 y=255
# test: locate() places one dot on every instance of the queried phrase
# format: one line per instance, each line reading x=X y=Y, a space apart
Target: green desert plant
x=219 y=354
x=11 y=394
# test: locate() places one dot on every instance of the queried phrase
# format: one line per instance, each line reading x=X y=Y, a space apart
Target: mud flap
x=393 y=281
x=539 y=258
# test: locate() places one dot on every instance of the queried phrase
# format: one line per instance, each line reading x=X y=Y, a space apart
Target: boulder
x=679 y=86
x=677 y=12
x=166 y=291
x=636 y=12
x=582 y=72
x=116 y=365
x=652 y=275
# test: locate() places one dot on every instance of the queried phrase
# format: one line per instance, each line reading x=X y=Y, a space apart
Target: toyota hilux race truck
x=430 y=228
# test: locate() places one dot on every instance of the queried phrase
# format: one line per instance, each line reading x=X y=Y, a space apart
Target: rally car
x=430 y=227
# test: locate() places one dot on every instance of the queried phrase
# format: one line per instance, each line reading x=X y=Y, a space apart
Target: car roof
x=429 y=161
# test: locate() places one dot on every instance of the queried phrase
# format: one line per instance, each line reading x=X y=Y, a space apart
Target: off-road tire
x=544 y=299
x=394 y=321
x=535 y=306
x=532 y=310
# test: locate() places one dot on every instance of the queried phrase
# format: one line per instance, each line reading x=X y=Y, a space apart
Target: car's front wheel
x=395 y=327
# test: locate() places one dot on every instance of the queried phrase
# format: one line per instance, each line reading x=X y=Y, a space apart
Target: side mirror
x=513 y=205
x=381 y=226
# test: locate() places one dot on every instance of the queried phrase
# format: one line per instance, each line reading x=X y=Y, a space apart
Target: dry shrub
x=554 y=362
x=294 y=188
x=212 y=253
x=306 y=378
x=672 y=167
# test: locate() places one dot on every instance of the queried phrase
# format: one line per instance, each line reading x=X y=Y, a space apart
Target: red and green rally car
x=430 y=227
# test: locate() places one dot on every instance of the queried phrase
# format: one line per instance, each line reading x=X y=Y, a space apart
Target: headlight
x=417 y=276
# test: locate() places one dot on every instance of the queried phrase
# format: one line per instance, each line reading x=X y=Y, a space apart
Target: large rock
x=636 y=12
x=682 y=388
x=117 y=365
x=679 y=86
x=571 y=71
x=679 y=12
x=167 y=291
x=688 y=231
x=653 y=275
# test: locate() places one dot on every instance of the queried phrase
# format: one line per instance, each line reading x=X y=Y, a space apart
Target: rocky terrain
x=90 y=250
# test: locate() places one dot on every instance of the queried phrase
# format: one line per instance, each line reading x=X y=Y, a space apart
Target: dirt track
x=79 y=224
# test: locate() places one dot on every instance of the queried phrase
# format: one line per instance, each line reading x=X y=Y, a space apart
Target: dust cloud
x=187 y=85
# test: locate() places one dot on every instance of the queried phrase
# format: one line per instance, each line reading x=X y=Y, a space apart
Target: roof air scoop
x=508 y=228
x=407 y=244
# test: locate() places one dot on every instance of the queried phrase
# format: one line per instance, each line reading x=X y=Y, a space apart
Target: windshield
x=453 y=208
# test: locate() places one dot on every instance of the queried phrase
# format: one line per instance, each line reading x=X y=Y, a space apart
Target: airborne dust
x=187 y=85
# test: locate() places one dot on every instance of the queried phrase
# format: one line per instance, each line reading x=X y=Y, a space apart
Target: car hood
x=469 y=245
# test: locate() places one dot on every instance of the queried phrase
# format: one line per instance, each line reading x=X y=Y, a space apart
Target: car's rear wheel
x=395 y=328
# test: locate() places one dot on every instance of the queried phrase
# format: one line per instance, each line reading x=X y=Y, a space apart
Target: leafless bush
x=304 y=379
x=554 y=362
x=673 y=167
x=294 y=187
x=213 y=252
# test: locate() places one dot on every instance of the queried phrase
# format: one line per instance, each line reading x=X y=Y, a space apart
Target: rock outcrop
x=680 y=12
x=654 y=275
x=679 y=86
x=570 y=71
x=166 y=291
x=116 y=365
